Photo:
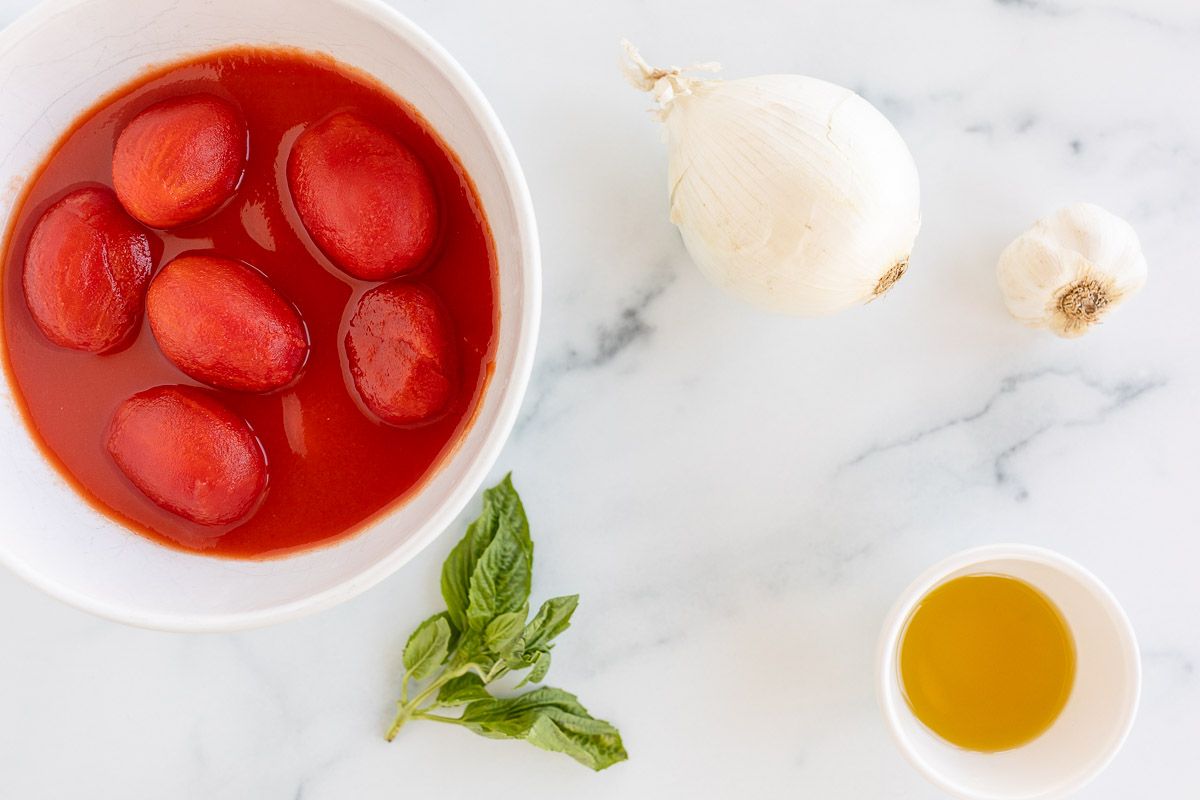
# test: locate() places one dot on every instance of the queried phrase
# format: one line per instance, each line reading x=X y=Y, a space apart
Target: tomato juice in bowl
x=330 y=464
x=363 y=474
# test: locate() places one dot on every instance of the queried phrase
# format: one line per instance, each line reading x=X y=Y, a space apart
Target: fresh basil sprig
x=486 y=633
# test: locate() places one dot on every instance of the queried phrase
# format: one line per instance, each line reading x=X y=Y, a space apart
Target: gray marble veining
x=738 y=498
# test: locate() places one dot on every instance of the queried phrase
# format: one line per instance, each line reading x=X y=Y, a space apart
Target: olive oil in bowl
x=987 y=662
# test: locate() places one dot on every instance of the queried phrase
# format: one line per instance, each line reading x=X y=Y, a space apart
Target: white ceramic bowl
x=1098 y=714
x=55 y=62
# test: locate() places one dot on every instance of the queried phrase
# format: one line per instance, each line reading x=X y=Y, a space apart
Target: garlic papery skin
x=791 y=193
x=1071 y=269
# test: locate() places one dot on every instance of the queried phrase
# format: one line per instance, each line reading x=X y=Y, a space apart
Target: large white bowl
x=55 y=62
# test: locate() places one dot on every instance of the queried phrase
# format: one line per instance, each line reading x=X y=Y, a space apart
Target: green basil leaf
x=502 y=509
x=552 y=720
x=552 y=618
x=592 y=742
x=517 y=661
x=509 y=511
x=456 y=578
x=471 y=650
x=503 y=633
x=428 y=646
x=514 y=715
x=540 y=660
x=501 y=580
x=462 y=689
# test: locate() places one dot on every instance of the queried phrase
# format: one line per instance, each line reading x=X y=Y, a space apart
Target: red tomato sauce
x=332 y=465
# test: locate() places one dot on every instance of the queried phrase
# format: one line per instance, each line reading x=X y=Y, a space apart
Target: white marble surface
x=738 y=498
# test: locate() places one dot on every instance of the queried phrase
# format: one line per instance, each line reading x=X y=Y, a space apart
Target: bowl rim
x=898 y=615
x=510 y=403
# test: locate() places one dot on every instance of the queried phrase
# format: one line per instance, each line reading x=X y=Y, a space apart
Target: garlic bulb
x=792 y=193
x=1071 y=269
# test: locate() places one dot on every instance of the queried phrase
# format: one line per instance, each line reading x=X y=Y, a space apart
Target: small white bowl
x=1098 y=714
x=57 y=61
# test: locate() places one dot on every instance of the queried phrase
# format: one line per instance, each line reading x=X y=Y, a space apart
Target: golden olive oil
x=987 y=662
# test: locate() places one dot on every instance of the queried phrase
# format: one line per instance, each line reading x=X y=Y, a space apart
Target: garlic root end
x=1082 y=304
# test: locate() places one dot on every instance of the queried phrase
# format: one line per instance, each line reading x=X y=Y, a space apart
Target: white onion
x=791 y=193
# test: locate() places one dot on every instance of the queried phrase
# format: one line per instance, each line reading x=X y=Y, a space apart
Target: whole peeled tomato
x=180 y=159
x=189 y=454
x=401 y=353
x=86 y=270
x=364 y=197
x=222 y=323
